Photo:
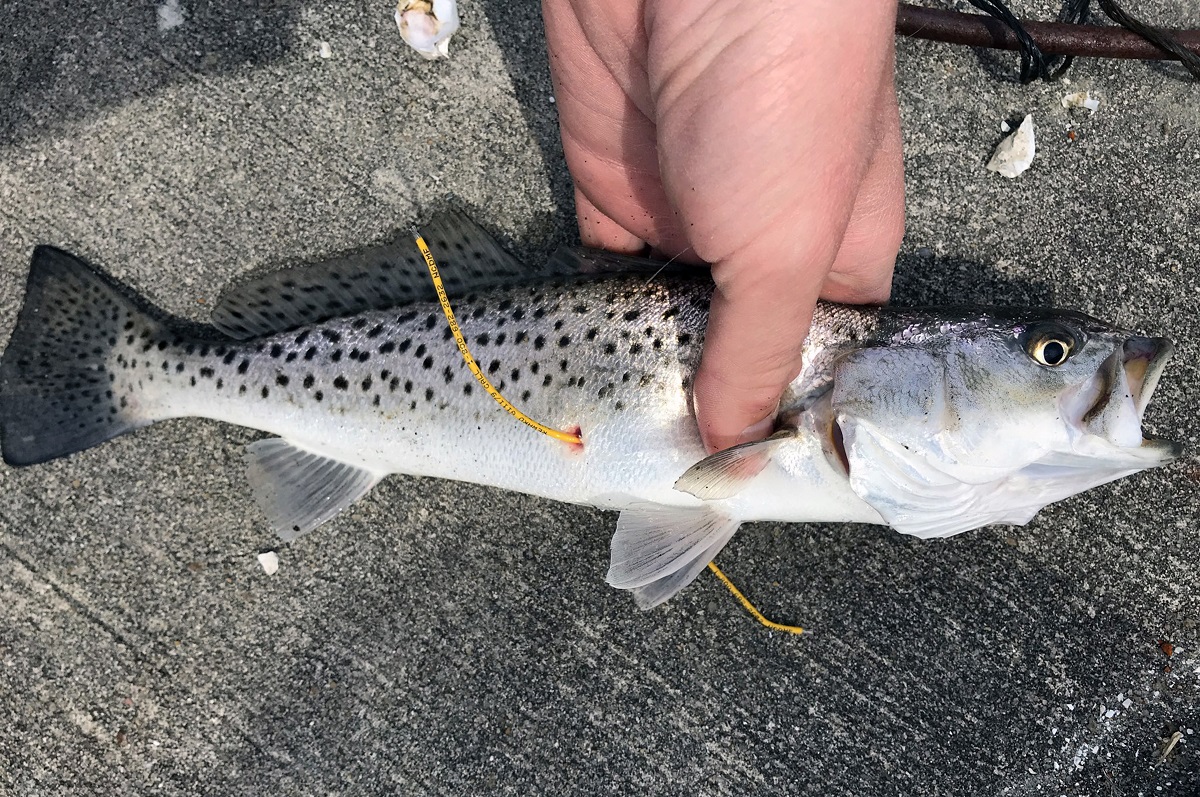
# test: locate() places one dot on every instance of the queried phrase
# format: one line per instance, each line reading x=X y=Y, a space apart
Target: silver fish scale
x=560 y=352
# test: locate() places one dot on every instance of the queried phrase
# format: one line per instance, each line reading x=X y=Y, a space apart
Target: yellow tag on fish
x=737 y=593
x=566 y=437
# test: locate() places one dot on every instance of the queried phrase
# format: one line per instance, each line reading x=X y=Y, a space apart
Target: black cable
x=1035 y=64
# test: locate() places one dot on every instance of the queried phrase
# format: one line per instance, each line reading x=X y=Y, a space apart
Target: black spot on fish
x=336 y=356
x=281 y=380
x=427 y=363
x=220 y=383
x=384 y=374
x=395 y=380
x=366 y=384
x=534 y=368
x=635 y=348
x=625 y=377
x=657 y=343
x=206 y=372
x=431 y=321
x=505 y=305
x=302 y=337
x=204 y=351
x=243 y=366
x=128 y=326
x=525 y=395
x=467 y=388
x=359 y=323
x=179 y=368
x=562 y=365
x=482 y=340
x=276 y=350
x=404 y=346
x=447 y=333
x=375 y=401
x=580 y=308
x=683 y=338
x=564 y=341
x=494 y=366
x=229 y=358
x=429 y=394
x=632 y=315
x=388 y=347
x=191 y=349
x=558 y=325
x=448 y=374
x=241 y=389
x=518 y=314
x=671 y=312
x=522 y=336
x=539 y=342
x=291 y=355
x=404 y=318
x=620 y=405
x=318 y=395
x=516 y=374
x=375 y=331
x=331 y=335
x=408 y=386
x=162 y=345
x=500 y=339
x=265 y=391
x=308 y=381
x=539 y=312
x=340 y=383
x=310 y=352
x=477 y=313
x=592 y=333
x=420 y=352
x=193 y=381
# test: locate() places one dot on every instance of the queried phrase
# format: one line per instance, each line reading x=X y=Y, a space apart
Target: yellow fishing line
x=791 y=629
x=566 y=437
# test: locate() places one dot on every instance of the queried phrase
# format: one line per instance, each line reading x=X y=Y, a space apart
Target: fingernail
x=757 y=431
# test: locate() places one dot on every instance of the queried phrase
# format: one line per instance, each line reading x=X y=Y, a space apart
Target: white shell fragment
x=170 y=16
x=427 y=25
x=1015 y=153
x=269 y=562
x=325 y=50
x=1081 y=99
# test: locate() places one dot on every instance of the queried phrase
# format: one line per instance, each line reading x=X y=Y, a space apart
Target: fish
x=930 y=421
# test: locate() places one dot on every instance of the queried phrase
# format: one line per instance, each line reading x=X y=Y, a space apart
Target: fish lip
x=1144 y=360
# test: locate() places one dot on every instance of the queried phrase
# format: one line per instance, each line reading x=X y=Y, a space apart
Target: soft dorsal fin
x=585 y=262
x=378 y=278
x=299 y=490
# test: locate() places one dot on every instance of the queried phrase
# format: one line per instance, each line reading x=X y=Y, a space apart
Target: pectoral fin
x=299 y=490
x=659 y=550
x=726 y=473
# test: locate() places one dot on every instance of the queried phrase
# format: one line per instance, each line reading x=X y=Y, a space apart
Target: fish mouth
x=1123 y=386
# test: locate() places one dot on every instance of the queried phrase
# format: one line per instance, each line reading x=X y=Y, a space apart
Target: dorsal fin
x=381 y=277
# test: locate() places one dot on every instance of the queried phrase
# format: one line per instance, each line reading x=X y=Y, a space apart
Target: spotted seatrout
x=931 y=421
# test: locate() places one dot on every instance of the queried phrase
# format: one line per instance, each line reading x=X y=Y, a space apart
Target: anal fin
x=299 y=490
x=659 y=550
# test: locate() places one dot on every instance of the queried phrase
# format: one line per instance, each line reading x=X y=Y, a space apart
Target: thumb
x=753 y=349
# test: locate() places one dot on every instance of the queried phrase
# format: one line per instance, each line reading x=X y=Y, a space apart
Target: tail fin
x=56 y=385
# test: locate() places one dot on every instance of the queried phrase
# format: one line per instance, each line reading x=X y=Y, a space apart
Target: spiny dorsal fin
x=378 y=278
x=299 y=490
x=726 y=473
x=658 y=550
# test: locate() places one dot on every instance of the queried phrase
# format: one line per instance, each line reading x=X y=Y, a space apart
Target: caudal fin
x=56 y=382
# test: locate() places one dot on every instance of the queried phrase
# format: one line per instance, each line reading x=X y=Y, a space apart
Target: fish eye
x=1049 y=344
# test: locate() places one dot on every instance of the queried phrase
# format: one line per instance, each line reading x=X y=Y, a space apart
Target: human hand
x=762 y=138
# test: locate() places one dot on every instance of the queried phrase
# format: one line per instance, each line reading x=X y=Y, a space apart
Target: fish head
x=949 y=425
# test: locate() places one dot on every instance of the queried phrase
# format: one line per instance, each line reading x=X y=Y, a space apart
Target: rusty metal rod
x=1054 y=38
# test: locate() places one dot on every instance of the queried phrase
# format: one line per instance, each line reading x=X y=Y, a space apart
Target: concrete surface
x=445 y=639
